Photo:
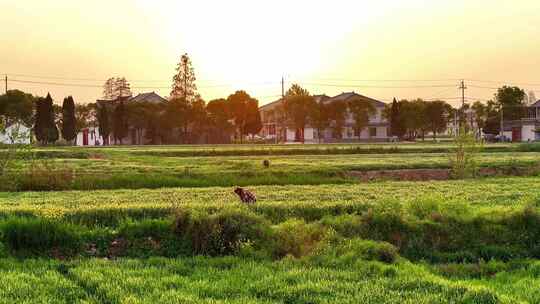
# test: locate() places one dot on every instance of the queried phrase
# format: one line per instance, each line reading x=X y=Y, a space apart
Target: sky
x=382 y=49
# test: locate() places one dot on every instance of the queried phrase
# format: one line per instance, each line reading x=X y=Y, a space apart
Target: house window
x=372 y=132
x=357 y=132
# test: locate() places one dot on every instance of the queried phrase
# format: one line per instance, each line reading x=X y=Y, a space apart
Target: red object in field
x=516 y=134
x=85 y=137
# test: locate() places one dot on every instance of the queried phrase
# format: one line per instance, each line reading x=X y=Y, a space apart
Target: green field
x=162 y=225
x=228 y=165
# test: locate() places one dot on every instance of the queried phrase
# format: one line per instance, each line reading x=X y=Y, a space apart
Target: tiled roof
x=536 y=104
x=148 y=97
x=349 y=95
x=340 y=97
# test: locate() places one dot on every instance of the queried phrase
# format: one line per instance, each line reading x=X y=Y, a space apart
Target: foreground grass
x=106 y=207
x=470 y=241
x=241 y=280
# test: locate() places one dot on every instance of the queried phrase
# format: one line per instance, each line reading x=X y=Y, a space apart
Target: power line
x=373 y=86
x=133 y=87
x=505 y=82
x=384 y=80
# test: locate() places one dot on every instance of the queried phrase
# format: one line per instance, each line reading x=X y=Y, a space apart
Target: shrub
x=155 y=228
x=3 y=250
x=480 y=296
x=221 y=233
x=351 y=250
x=36 y=235
x=463 y=156
x=297 y=238
x=44 y=176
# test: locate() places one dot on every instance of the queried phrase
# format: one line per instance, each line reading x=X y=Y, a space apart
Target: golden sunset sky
x=327 y=46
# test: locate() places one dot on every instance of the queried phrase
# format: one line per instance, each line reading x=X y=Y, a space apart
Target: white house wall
x=21 y=132
x=93 y=137
x=527 y=133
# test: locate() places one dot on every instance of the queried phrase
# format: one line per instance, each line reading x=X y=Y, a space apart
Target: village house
x=276 y=129
x=90 y=136
x=525 y=129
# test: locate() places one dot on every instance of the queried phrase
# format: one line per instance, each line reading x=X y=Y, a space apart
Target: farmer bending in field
x=245 y=195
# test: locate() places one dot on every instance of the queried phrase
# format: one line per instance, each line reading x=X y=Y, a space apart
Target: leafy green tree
x=512 y=102
x=361 y=109
x=436 y=114
x=239 y=105
x=178 y=116
x=17 y=107
x=120 y=123
x=137 y=115
x=219 y=116
x=320 y=118
x=337 y=112
x=298 y=104
x=253 y=121
x=68 y=119
x=199 y=121
x=480 y=114
x=85 y=116
x=493 y=118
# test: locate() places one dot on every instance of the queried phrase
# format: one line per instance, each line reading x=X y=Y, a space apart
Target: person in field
x=245 y=195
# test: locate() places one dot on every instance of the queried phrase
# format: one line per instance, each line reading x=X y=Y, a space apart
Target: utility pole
x=276 y=113
x=282 y=87
x=6 y=83
x=502 y=124
x=463 y=88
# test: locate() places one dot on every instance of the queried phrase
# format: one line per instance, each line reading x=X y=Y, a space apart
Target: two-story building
x=276 y=128
x=525 y=129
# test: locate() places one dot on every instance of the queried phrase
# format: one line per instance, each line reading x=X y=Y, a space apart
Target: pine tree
x=184 y=81
x=122 y=88
x=68 y=119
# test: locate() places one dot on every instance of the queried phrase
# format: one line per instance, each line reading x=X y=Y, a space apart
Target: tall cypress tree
x=51 y=131
x=68 y=119
x=39 y=125
x=120 y=127
x=103 y=121
x=45 y=126
x=397 y=127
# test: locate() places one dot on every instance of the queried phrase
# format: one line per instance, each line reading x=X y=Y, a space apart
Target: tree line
x=186 y=118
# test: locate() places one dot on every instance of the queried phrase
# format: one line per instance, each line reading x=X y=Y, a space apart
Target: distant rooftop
x=148 y=97
x=151 y=97
x=341 y=97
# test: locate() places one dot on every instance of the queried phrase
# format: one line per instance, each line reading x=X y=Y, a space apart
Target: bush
x=297 y=238
x=463 y=157
x=221 y=233
x=35 y=236
x=44 y=176
x=480 y=296
x=349 y=251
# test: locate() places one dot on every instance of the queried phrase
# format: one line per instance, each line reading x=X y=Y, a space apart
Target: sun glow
x=250 y=45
